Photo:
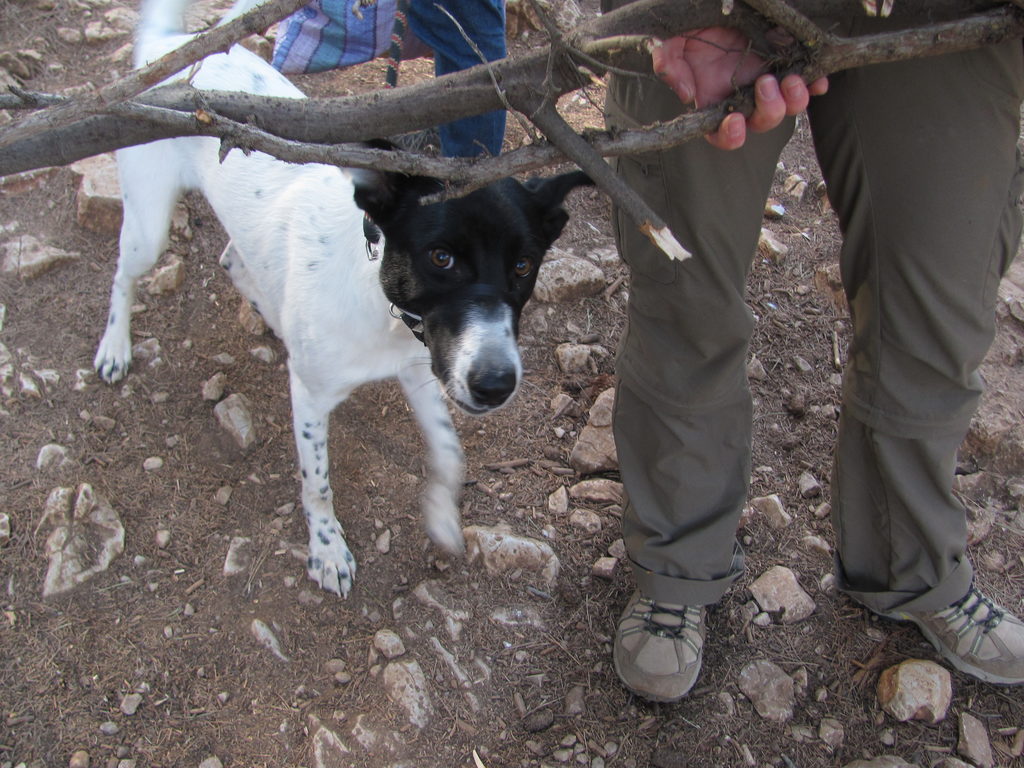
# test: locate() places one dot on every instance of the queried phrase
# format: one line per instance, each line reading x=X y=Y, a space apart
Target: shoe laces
x=968 y=606
x=684 y=618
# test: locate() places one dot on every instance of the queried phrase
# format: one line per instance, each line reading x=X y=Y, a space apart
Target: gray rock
x=809 y=485
x=831 y=732
x=87 y=535
x=328 y=748
x=769 y=689
x=575 y=701
x=595 y=450
x=388 y=643
x=405 y=684
x=884 y=761
x=5 y=529
x=235 y=416
x=130 y=703
x=973 y=742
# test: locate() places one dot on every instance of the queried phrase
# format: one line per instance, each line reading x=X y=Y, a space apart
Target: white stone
x=769 y=689
x=778 y=589
x=99 y=194
x=5 y=529
x=915 y=690
x=558 y=501
x=405 y=684
x=388 y=643
x=770 y=246
x=167 y=279
x=517 y=617
x=27 y=257
x=573 y=358
x=568 y=278
x=597 y=491
x=130 y=703
x=51 y=456
x=86 y=537
x=265 y=636
x=234 y=415
x=883 y=761
x=263 y=353
x=239 y=556
x=772 y=510
x=153 y=463
x=502 y=551
x=213 y=387
x=586 y=521
x=431 y=594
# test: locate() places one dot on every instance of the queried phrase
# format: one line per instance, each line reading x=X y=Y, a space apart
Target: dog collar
x=413 y=322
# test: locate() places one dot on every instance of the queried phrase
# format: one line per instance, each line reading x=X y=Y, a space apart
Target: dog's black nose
x=491 y=387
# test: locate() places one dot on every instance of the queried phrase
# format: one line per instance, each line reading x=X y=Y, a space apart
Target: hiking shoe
x=976 y=636
x=658 y=648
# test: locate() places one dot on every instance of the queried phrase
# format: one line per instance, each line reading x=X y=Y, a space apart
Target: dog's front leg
x=330 y=563
x=441 y=499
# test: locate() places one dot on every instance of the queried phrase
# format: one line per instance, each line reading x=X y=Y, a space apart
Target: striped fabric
x=330 y=34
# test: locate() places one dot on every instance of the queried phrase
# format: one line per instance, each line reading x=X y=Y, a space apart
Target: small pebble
x=109 y=728
x=130 y=703
x=79 y=759
x=152 y=463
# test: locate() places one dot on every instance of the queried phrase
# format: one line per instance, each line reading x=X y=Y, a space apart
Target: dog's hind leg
x=330 y=563
x=149 y=198
x=441 y=499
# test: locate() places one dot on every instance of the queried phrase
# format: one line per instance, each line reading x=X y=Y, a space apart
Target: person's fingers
x=819 y=87
x=669 y=62
x=771 y=105
x=731 y=133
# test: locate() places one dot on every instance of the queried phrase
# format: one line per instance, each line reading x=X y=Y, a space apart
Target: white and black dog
x=461 y=270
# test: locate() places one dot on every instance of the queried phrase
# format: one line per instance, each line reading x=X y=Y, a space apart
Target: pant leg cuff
x=937 y=598
x=683 y=591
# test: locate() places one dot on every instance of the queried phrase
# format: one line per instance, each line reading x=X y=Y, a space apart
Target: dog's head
x=466 y=266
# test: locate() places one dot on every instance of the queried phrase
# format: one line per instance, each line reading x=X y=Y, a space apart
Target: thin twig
x=560 y=134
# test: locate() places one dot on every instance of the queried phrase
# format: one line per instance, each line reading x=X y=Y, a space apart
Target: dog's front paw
x=441 y=519
x=114 y=355
x=331 y=564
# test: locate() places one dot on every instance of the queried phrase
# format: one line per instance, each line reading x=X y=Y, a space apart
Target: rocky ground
x=155 y=606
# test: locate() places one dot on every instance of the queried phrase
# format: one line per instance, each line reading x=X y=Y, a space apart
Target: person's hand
x=707 y=65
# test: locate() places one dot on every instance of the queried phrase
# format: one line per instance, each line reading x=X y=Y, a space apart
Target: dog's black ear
x=549 y=194
x=382 y=194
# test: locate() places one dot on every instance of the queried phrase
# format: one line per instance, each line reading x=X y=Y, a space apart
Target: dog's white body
x=298 y=253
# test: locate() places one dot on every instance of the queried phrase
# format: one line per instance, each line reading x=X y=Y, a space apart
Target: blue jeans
x=484 y=24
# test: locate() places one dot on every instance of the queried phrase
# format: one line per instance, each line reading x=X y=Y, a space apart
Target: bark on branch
x=322 y=130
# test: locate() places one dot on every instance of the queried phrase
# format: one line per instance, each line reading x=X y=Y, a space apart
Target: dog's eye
x=523 y=267
x=441 y=259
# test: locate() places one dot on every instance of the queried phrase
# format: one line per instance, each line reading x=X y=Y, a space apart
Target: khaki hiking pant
x=921 y=163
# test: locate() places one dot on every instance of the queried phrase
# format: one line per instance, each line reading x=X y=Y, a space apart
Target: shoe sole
x=950 y=656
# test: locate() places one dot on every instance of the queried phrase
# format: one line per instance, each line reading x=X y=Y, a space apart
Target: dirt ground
x=165 y=622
